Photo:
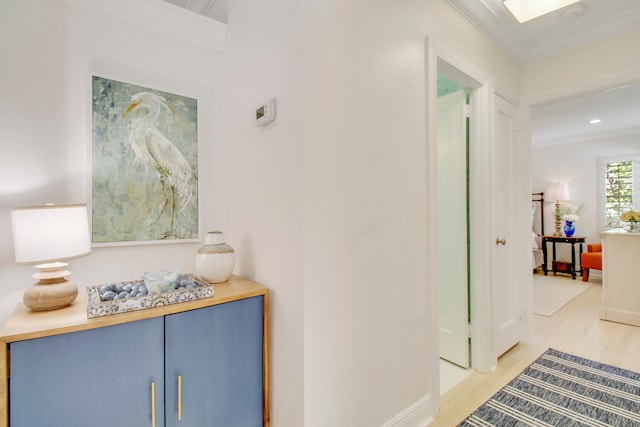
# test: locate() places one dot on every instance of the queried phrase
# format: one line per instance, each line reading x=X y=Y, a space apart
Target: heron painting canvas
x=144 y=164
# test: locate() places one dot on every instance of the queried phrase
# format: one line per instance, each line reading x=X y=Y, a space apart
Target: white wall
x=582 y=69
x=49 y=52
x=367 y=308
x=329 y=205
x=265 y=179
x=33 y=160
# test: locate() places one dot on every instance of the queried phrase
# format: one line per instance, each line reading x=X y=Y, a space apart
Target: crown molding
x=515 y=39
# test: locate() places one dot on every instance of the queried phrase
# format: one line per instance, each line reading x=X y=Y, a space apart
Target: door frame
x=480 y=155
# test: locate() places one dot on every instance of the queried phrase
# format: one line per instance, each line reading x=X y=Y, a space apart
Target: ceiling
x=567 y=121
x=584 y=22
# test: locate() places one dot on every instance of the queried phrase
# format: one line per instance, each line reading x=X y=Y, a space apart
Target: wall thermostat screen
x=260 y=112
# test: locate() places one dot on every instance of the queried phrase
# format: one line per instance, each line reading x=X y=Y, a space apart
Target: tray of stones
x=116 y=298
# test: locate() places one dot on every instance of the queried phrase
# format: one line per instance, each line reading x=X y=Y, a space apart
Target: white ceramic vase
x=215 y=260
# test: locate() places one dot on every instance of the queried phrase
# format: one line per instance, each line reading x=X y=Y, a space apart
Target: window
x=619 y=188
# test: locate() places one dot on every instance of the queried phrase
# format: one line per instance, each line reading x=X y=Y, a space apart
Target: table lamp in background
x=48 y=235
x=559 y=193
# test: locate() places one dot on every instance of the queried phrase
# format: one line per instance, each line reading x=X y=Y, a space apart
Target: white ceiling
x=567 y=121
x=585 y=22
x=579 y=24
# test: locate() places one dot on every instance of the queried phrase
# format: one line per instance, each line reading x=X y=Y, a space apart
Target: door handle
x=179 y=397
x=153 y=404
x=501 y=242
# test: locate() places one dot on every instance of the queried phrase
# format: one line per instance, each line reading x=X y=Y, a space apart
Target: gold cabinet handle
x=179 y=397
x=153 y=404
x=501 y=242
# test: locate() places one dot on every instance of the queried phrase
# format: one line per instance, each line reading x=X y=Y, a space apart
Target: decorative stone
x=106 y=303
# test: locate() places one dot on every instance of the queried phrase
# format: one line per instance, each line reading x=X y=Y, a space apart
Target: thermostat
x=266 y=113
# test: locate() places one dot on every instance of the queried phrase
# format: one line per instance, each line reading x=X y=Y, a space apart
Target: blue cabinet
x=100 y=377
x=104 y=377
x=216 y=353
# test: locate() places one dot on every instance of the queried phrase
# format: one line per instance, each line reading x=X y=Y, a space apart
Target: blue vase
x=569 y=228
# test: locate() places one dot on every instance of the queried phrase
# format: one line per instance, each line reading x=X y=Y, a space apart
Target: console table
x=561 y=239
x=201 y=362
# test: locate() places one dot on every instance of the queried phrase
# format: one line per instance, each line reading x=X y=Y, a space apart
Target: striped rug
x=559 y=389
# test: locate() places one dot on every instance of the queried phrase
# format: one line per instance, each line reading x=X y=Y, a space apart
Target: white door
x=452 y=228
x=506 y=322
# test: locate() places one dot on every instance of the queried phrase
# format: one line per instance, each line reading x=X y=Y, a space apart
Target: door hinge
x=467 y=110
x=468 y=330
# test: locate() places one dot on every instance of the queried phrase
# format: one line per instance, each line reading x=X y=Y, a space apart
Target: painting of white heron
x=144 y=164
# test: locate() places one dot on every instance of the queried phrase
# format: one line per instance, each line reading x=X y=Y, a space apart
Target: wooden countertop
x=621 y=233
x=25 y=324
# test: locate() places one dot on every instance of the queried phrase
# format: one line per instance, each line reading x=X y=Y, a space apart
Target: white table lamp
x=46 y=235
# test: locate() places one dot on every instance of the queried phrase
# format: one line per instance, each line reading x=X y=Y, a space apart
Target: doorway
x=453 y=230
x=479 y=249
x=453 y=237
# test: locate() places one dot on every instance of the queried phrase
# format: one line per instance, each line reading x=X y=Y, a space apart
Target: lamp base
x=53 y=290
x=557 y=233
x=50 y=296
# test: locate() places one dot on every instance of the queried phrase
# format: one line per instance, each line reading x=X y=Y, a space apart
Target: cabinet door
x=217 y=351
x=98 y=378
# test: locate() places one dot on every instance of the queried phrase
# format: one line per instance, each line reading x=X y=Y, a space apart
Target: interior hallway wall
x=50 y=49
x=327 y=208
x=367 y=307
x=581 y=68
x=265 y=187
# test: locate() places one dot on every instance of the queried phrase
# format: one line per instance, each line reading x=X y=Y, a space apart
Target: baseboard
x=416 y=415
x=620 y=316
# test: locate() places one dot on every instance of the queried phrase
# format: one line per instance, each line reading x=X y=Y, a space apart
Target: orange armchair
x=592 y=259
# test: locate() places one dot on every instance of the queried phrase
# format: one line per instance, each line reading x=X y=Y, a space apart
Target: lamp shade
x=50 y=233
x=526 y=10
x=558 y=192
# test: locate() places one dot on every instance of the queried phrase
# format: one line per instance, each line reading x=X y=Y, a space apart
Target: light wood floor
x=575 y=329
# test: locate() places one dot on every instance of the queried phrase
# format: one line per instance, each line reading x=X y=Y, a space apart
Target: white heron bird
x=154 y=151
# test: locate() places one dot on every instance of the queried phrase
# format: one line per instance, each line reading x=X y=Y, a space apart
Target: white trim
x=601 y=163
x=480 y=169
x=431 y=264
x=463 y=72
x=161 y=17
x=612 y=81
x=620 y=316
x=416 y=415
x=526 y=286
x=507 y=95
